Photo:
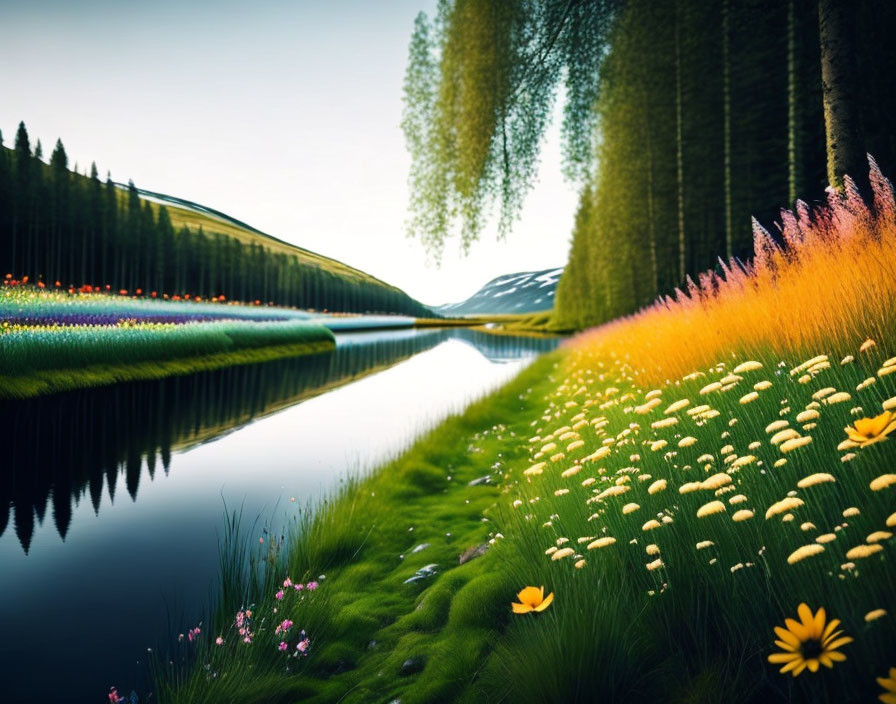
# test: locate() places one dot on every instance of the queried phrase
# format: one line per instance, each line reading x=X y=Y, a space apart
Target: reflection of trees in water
x=503 y=348
x=64 y=448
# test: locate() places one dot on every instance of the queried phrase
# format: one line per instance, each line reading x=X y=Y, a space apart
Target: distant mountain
x=524 y=292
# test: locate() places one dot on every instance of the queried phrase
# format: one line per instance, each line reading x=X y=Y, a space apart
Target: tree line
x=712 y=113
x=59 y=226
x=682 y=119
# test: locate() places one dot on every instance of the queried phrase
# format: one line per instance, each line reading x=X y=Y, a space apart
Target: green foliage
x=669 y=79
x=479 y=92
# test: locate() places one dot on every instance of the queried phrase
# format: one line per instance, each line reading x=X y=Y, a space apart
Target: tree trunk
x=679 y=156
x=793 y=137
x=845 y=141
x=726 y=109
x=651 y=232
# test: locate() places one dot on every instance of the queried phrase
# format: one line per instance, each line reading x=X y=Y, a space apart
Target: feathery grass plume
x=845 y=251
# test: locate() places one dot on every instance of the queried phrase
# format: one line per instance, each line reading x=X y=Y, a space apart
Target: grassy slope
x=210 y=223
x=614 y=628
x=366 y=622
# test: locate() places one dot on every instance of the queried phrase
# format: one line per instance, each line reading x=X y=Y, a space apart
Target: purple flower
x=298 y=587
x=286 y=625
x=311 y=586
x=279 y=595
x=282 y=646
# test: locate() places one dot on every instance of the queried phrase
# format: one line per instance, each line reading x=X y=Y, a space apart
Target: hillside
x=523 y=292
x=186 y=213
x=58 y=225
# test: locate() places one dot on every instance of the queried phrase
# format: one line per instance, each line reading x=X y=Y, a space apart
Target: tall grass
x=651 y=502
x=826 y=277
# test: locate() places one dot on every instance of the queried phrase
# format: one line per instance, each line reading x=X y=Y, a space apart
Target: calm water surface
x=111 y=499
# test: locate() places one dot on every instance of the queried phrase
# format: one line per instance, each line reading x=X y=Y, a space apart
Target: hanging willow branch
x=480 y=88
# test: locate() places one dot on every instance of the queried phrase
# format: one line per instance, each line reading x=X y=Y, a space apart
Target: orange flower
x=868 y=431
x=532 y=599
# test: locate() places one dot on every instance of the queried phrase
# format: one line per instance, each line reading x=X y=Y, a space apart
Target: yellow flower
x=750 y=366
x=813 y=479
x=657 y=486
x=710 y=508
x=803 y=552
x=715 y=481
x=677 y=406
x=882 y=482
x=874 y=615
x=808 y=643
x=601 y=543
x=889 y=685
x=867 y=431
x=860 y=551
x=532 y=599
x=784 y=505
x=793 y=444
x=742 y=515
x=561 y=553
x=628 y=508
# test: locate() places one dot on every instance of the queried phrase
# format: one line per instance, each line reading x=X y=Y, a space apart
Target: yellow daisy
x=809 y=642
x=889 y=685
x=867 y=431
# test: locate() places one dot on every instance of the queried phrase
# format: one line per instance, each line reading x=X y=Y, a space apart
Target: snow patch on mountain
x=523 y=292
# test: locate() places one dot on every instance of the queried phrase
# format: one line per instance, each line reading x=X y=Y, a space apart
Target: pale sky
x=285 y=115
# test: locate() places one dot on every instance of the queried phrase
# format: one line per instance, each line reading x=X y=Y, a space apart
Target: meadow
x=55 y=340
x=695 y=503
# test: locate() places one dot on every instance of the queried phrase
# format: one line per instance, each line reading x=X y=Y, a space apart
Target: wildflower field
x=697 y=503
x=57 y=340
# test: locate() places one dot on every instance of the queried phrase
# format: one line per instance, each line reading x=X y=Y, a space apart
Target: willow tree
x=480 y=89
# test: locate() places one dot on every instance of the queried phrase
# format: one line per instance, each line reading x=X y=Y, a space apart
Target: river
x=112 y=499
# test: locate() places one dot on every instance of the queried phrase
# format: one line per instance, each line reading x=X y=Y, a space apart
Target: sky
x=285 y=115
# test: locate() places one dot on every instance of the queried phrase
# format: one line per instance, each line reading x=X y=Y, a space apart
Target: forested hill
x=57 y=225
x=523 y=292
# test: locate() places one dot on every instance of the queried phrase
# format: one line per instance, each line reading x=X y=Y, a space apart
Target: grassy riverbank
x=36 y=360
x=706 y=489
x=366 y=626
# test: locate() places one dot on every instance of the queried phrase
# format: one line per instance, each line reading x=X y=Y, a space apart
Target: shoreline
x=51 y=381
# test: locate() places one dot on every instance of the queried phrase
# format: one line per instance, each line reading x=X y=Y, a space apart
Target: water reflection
x=65 y=448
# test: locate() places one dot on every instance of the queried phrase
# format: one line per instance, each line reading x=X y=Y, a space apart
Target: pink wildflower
x=311 y=586
x=279 y=595
x=282 y=646
x=219 y=641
